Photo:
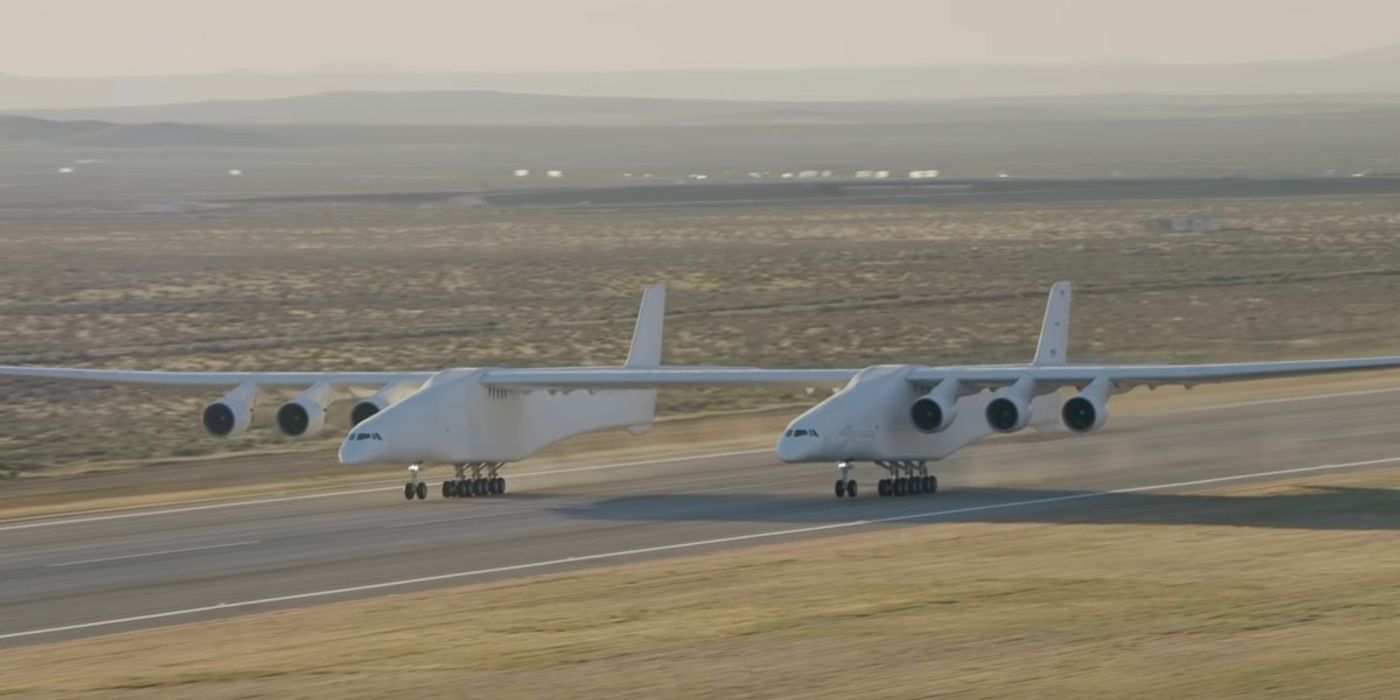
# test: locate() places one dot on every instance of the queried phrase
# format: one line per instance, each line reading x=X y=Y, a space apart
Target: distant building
x=1186 y=224
x=922 y=174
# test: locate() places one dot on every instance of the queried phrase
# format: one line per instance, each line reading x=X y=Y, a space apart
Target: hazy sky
x=105 y=37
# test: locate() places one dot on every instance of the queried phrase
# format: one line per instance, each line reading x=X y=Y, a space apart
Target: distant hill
x=489 y=108
x=1388 y=55
x=1371 y=71
x=100 y=134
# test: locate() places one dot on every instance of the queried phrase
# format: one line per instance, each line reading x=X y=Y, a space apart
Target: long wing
x=1127 y=376
x=214 y=379
x=984 y=376
x=666 y=377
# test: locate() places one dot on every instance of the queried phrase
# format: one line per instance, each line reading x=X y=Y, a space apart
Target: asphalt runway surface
x=73 y=576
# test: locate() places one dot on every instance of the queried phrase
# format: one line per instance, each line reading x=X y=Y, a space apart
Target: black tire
x=840 y=489
x=901 y=486
x=852 y=488
x=408 y=491
x=449 y=489
x=493 y=486
x=882 y=487
x=932 y=484
x=422 y=490
x=464 y=489
x=479 y=487
x=500 y=486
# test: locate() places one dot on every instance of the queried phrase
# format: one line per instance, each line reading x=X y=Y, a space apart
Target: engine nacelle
x=365 y=409
x=1008 y=413
x=306 y=414
x=932 y=413
x=301 y=417
x=1087 y=411
x=232 y=414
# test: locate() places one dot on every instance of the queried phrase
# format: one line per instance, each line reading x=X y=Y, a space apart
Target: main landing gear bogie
x=907 y=478
x=484 y=481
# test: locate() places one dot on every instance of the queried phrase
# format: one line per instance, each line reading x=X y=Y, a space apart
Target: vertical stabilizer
x=1053 y=347
x=646 y=338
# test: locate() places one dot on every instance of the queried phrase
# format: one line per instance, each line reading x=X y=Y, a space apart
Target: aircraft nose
x=800 y=449
x=355 y=451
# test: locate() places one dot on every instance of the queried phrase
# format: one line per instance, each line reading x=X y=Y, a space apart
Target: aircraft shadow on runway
x=1317 y=508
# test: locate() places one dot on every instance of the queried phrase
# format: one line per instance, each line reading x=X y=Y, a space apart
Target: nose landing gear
x=415 y=488
x=846 y=486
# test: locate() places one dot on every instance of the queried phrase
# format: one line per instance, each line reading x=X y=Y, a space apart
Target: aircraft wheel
x=422 y=491
x=932 y=483
x=882 y=487
x=449 y=488
x=500 y=485
x=840 y=488
x=463 y=488
x=409 y=491
x=851 y=488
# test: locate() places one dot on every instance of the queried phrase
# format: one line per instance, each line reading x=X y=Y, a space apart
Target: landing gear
x=415 y=488
x=846 y=486
x=484 y=480
x=907 y=478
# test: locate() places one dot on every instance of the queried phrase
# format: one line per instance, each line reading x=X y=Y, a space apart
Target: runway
x=80 y=575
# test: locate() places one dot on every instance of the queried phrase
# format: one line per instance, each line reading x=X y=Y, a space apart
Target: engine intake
x=1087 y=411
x=306 y=414
x=932 y=414
x=363 y=411
x=231 y=414
x=1007 y=414
x=298 y=418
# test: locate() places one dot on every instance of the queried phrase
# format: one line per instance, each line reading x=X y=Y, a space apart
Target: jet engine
x=1011 y=409
x=1088 y=410
x=306 y=414
x=232 y=414
x=1008 y=413
x=935 y=411
x=388 y=396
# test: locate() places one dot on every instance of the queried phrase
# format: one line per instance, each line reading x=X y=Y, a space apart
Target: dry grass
x=401 y=286
x=1300 y=604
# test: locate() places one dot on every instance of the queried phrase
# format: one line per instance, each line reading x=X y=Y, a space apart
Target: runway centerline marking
x=156 y=554
x=695 y=544
x=47 y=521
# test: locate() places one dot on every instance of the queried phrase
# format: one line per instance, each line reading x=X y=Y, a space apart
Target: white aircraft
x=898 y=417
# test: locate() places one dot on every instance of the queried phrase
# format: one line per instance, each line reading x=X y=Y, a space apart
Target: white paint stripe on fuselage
x=770 y=534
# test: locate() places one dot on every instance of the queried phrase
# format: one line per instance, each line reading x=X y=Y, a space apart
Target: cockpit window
x=365 y=436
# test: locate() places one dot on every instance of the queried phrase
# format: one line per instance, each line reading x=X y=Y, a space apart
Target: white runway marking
x=156 y=554
x=45 y=521
x=691 y=545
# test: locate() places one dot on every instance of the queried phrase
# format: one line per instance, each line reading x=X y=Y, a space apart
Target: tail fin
x=1053 y=348
x=646 y=338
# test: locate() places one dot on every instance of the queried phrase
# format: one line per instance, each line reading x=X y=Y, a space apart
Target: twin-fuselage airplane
x=897 y=417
